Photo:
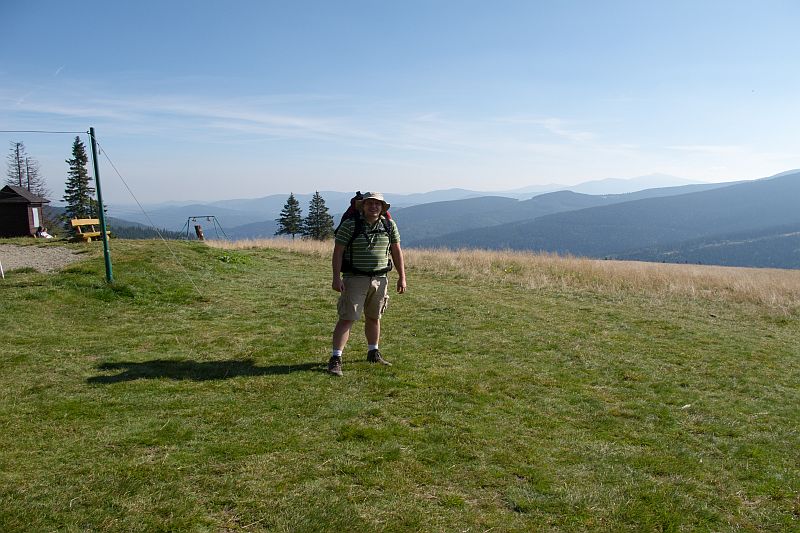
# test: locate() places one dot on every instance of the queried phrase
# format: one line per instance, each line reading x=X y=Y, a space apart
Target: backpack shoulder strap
x=387 y=225
x=358 y=228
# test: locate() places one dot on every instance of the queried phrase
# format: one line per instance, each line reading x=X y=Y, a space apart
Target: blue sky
x=214 y=100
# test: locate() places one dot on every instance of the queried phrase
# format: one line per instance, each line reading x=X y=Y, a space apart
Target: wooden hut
x=20 y=212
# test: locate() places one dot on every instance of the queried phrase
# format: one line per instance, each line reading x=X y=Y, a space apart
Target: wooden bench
x=85 y=228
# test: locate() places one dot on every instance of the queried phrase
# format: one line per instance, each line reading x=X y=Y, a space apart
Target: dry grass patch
x=775 y=288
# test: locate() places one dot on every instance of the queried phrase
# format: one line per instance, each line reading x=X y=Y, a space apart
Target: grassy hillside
x=529 y=393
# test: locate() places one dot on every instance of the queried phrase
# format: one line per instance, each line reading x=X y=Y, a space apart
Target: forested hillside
x=777 y=247
x=425 y=221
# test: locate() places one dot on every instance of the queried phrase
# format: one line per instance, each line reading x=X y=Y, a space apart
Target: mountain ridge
x=249 y=210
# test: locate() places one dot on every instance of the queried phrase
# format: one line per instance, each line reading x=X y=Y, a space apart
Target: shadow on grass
x=196 y=371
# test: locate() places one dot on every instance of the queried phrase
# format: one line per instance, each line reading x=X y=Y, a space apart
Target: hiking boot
x=374 y=356
x=335 y=366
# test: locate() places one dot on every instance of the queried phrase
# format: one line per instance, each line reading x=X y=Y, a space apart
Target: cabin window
x=35 y=211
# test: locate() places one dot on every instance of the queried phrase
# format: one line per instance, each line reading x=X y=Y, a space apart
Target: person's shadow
x=196 y=370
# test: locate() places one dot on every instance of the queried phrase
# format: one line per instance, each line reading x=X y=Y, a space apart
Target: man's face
x=372 y=208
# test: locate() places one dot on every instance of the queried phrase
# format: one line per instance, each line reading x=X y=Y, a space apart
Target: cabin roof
x=11 y=194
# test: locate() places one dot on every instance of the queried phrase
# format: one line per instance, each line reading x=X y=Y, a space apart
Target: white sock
x=336 y=353
x=371 y=347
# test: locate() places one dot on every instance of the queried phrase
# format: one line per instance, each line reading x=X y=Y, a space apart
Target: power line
x=45 y=131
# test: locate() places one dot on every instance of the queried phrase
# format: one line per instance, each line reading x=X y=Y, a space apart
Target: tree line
x=317 y=225
x=23 y=171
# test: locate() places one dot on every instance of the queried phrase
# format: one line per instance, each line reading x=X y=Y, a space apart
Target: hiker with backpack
x=366 y=247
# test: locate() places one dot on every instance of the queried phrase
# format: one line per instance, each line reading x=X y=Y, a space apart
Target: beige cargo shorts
x=366 y=294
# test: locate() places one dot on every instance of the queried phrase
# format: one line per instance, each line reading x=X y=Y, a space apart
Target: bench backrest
x=85 y=222
x=79 y=223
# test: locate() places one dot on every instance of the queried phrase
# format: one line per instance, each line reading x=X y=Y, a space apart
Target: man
x=365 y=264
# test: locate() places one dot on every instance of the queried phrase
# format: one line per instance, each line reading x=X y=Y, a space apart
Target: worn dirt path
x=42 y=258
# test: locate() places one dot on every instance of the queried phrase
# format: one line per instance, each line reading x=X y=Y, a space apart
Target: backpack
x=359 y=229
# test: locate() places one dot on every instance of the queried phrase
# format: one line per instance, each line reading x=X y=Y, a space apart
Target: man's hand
x=397 y=257
x=338 y=284
x=336 y=264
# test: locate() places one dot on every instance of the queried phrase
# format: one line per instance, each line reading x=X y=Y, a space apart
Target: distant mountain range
x=651 y=218
x=260 y=213
x=427 y=221
x=757 y=221
x=608 y=186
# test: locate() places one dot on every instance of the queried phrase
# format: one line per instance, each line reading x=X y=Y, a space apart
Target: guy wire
x=147 y=216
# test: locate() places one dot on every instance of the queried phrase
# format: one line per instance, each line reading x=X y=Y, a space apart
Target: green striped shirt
x=370 y=251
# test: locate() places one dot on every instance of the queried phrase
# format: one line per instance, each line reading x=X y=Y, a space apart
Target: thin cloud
x=556 y=126
x=559 y=127
x=263 y=118
x=70 y=111
x=707 y=149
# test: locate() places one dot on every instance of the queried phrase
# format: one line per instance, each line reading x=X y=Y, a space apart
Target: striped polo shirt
x=370 y=251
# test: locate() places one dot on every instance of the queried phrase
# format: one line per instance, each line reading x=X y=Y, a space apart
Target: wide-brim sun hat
x=373 y=196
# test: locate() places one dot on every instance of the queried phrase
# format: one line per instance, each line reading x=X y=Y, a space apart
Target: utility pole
x=106 y=251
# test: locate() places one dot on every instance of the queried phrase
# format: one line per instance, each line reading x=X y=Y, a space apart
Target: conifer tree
x=291 y=220
x=318 y=224
x=78 y=193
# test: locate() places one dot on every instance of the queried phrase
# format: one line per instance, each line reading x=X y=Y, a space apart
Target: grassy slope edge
x=524 y=396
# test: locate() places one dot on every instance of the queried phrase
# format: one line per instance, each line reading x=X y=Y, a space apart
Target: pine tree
x=291 y=220
x=78 y=194
x=318 y=224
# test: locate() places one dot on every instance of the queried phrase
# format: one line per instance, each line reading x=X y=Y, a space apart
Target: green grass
x=194 y=398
